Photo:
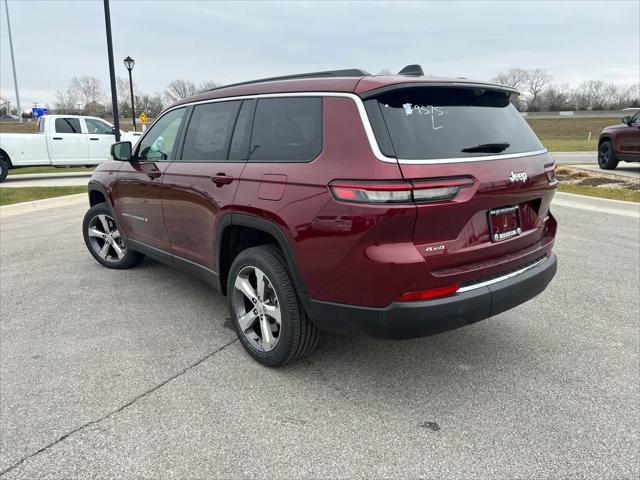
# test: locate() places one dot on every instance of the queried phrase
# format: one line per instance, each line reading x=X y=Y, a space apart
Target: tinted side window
x=209 y=131
x=157 y=144
x=239 y=149
x=98 y=127
x=68 y=125
x=287 y=130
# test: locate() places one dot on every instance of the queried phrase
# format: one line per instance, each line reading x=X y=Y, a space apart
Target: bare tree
x=514 y=78
x=124 y=96
x=66 y=101
x=152 y=105
x=178 y=89
x=87 y=89
x=536 y=80
x=555 y=98
x=590 y=95
x=207 y=85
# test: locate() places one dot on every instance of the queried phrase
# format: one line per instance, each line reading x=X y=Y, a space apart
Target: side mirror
x=121 y=151
x=627 y=120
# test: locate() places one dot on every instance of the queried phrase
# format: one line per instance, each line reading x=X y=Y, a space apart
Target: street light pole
x=129 y=63
x=112 y=72
x=13 y=64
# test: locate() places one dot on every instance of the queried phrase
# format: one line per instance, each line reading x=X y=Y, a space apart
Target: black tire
x=4 y=169
x=117 y=254
x=298 y=336
x=606 y=156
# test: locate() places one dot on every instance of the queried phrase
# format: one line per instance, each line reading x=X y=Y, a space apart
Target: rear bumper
x=417 y=319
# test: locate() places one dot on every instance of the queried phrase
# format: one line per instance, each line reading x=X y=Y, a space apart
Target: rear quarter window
x=443 y=122
x=287 y=130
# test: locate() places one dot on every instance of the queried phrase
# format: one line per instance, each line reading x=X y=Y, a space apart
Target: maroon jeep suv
x=394 y=206
x=620 y=142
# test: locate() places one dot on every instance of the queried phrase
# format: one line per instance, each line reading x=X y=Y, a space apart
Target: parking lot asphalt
x=136 y=374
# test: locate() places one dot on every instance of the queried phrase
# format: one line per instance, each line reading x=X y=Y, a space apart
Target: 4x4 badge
x=518 y=177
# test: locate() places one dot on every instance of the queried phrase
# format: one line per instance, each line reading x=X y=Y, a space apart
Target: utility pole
x=112 y=71
x=13 y=63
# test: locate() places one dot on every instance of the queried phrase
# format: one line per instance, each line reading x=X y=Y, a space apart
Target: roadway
x=137 y=374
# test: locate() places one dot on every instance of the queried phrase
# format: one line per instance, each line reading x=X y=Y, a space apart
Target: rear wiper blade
x=487 y=148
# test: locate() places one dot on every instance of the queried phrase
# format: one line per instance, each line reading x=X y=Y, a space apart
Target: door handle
x=153 y=174
x=57 y=138
x=94 y=138
x=221 y=179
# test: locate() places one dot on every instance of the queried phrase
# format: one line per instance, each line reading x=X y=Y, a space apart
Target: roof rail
x=349 y=72
x=412 y=70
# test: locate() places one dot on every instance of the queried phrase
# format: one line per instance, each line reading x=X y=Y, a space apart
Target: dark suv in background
x=620 y=142
x=393 y=206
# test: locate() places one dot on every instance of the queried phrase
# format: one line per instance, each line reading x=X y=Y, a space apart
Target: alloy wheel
x=603 y=154
x=105 y=238
x=257 y=308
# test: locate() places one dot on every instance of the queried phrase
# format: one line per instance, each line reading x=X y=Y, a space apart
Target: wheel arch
x=5 y=156
x=253 y=231
x=98 y=194
x=604 y=138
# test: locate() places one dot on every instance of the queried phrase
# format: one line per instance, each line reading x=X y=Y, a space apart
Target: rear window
x=443 y=122
x=286 y=130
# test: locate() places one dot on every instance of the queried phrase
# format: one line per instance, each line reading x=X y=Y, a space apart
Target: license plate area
x=504 y=223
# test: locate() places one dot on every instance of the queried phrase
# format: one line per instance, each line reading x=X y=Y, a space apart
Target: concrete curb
x=584 y=152
x=594 y=204
x=45 y=203
x=569 y=154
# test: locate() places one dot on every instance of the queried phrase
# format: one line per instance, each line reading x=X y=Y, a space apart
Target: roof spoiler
x=412 y=70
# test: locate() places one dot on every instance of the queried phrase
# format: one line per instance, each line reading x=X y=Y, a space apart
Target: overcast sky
x=226 y=42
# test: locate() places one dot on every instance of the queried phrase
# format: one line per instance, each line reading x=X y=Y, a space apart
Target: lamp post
x=129 y=63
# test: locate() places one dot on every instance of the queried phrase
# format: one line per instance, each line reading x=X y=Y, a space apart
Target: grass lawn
x=17 y=195
x=25 y=170
x=611 y=193
x=569 y=134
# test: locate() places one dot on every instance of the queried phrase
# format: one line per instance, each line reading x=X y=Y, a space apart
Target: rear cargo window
x=443 y=122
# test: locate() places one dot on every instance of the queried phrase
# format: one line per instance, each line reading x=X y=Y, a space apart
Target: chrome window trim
x=499 y=279
x=365 y=123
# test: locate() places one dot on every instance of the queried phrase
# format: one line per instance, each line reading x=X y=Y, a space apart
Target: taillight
x=398 y=192
x=550 y=171
x=429 y=294
x=371 y=192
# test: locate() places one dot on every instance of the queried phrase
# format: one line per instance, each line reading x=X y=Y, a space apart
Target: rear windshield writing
x=442 y=122
x=430 y=110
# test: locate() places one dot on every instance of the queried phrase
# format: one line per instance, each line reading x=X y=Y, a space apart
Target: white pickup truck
x=60 y=141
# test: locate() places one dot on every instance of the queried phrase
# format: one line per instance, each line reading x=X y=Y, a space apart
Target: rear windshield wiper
x=487 y=148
